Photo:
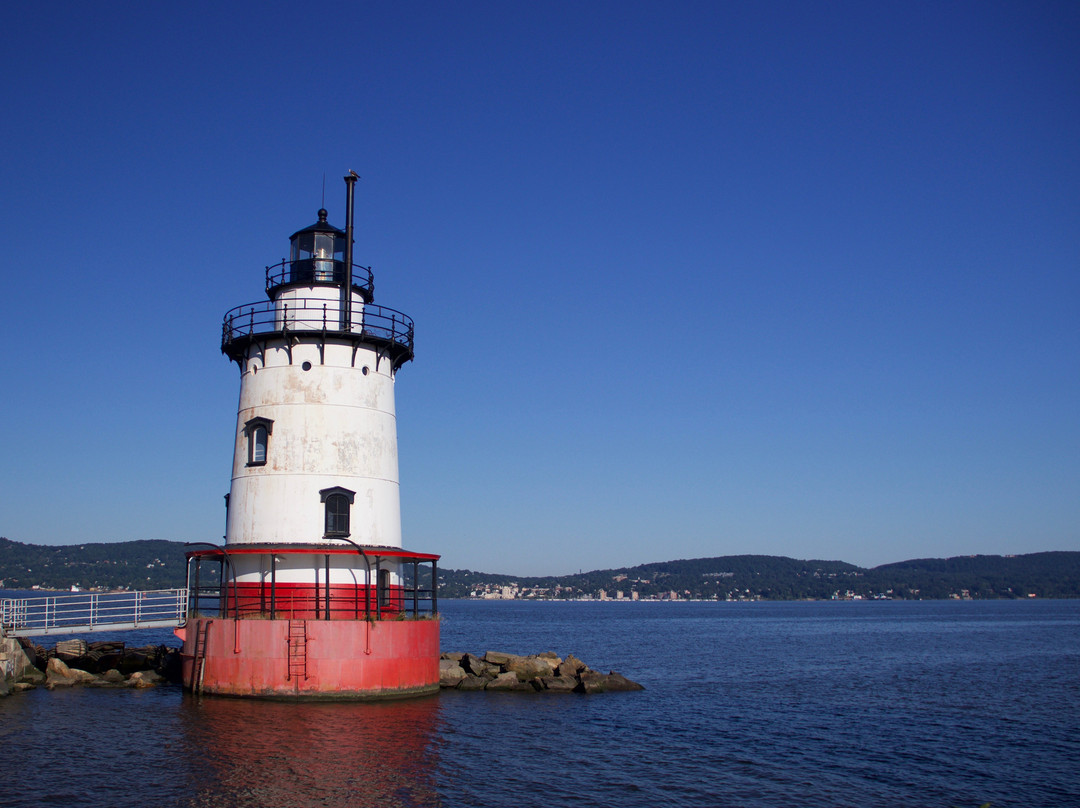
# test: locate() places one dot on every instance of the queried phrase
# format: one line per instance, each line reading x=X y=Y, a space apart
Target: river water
x=746 y=704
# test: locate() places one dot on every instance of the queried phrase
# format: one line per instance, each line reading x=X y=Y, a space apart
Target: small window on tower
x=258 y=431
x=338 y=505
x=258 y=445
x=384 y=588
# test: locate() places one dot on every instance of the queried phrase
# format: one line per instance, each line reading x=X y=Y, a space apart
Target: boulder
x=454 y=655
x=557 y=684
x=529 y=668
x=113 y=677
x=471 y=682
x=596 y=682
x=499 y=658
x=58 y=667
x=507 y=681
x=450 y=673
x=479 y=667
x=171 y=666
x=31 y=658
x=58 y=674
x=592 y=682
x=52 y=681
x=544 y=672
x=32 y=676
x=136 y=659
x=616 y=681
x=83 y=677
x=141 y=679
x=571 y=666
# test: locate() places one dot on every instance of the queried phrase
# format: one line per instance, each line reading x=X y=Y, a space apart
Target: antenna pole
x=350 y=182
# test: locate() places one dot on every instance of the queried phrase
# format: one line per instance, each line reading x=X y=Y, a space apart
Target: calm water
x=755 y=704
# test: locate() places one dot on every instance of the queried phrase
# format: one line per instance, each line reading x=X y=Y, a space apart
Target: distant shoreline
x=107 y=568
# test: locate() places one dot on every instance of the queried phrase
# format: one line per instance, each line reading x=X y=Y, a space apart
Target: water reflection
x=267 y=754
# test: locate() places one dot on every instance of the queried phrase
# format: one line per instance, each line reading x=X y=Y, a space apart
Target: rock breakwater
x=75 y=663
x=538 y=673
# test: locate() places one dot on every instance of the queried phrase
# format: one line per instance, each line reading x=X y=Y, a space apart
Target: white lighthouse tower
x=313 y=561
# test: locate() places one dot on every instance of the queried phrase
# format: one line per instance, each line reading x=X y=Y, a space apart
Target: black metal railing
x=318 y=271
x=211 y=593
x=372 y=323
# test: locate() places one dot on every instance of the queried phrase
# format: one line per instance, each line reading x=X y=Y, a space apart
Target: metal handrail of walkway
x=87 y=612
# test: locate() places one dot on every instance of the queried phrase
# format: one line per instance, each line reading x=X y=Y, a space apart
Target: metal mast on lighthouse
x=313 y=563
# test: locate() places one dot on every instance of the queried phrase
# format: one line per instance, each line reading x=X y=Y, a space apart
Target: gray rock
x=450 y=673
x=141 y=679
x=616 y=681
x=52 y=681
x=454 y=655
x=592 y=682
x=32 y=676
x=57 y=667
x=543 y=672
x=529 y=668
x=558 y=684
x=499 y=658
x=571 y=666
x=479 y=667
x=471 y=682
x=113 y=676
x=507 y=681
x=83 y=677
x=58 y=674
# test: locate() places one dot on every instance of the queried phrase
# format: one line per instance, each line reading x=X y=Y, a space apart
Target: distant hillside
x=1048 y=575
x=754 y=577
x=157 y=564
x=146 y=564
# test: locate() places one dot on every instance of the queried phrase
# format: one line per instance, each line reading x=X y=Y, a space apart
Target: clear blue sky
x=689 y=279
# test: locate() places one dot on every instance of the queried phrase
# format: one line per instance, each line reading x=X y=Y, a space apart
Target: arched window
x=258 y=445
x=338 y=502
x=258 y=431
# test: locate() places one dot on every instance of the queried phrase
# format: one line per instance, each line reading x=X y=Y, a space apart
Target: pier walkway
x=83 y=612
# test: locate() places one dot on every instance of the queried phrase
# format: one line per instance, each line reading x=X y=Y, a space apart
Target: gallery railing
x=314 y=271
x=215 y=592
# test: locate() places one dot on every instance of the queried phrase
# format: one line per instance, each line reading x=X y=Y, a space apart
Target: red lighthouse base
x=311 y=659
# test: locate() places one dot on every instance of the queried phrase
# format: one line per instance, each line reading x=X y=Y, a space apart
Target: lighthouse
x=312 y=594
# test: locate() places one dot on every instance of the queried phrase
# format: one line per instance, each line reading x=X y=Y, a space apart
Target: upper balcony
x=386 y=329
x=318 y=272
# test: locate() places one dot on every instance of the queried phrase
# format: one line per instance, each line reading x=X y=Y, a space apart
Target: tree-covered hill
x=145 y=564
x=983 y=576
x=157 y=564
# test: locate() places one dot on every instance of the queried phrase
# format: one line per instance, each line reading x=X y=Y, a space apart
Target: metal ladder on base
x=198 y=662
x=298 y=641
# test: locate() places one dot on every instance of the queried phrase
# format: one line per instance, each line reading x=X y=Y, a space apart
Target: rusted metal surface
x=346 y=659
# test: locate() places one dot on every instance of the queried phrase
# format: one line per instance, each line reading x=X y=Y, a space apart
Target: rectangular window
x=258 y=448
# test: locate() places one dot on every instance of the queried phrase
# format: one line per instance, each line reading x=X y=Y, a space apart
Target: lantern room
x=317 y=253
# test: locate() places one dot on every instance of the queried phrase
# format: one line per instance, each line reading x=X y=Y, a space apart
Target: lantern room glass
x=317 y=257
